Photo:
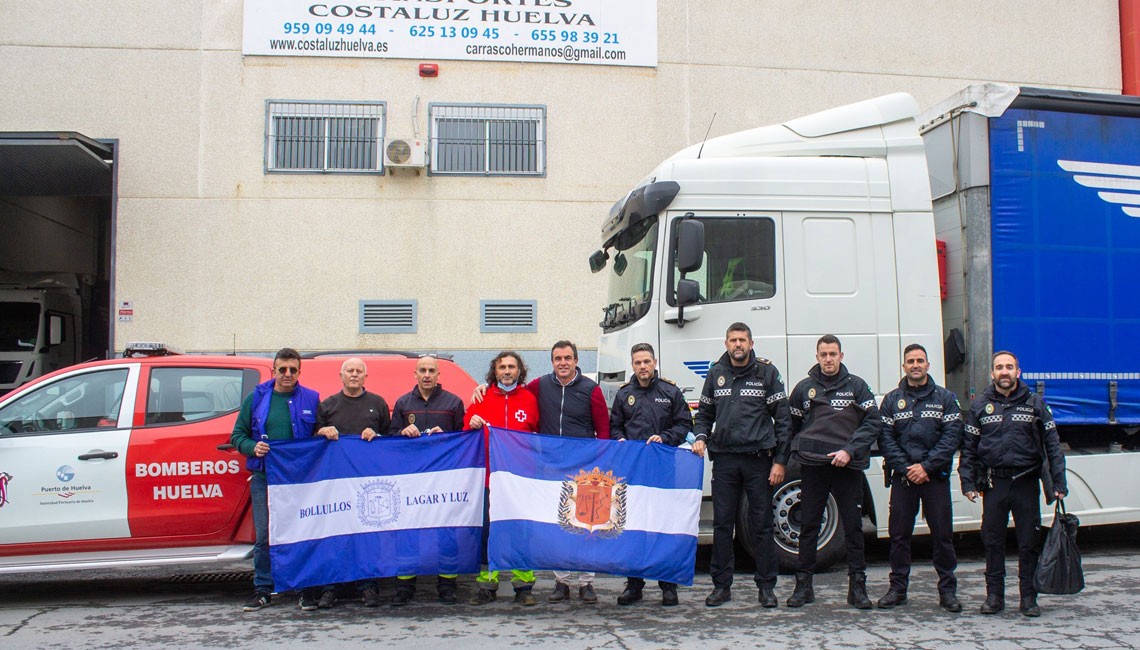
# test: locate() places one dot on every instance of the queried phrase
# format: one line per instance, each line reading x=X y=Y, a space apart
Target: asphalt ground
x=186 y=607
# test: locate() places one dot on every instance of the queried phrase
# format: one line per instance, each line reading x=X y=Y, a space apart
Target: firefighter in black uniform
x=922 y=430
x=654 y=410
x=744 y=396
x=834 y=423
x=1009 y=433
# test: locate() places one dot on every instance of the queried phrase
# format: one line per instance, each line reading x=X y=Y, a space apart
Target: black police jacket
x=921 y=424
x=833 y=415
x=1008 y=433
x=748 y=406
x=657 y=409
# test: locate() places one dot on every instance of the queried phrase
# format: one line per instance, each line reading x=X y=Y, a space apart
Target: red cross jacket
x=517 y=410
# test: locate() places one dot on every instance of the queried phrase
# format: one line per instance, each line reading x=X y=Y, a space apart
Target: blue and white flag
x=625 y=508
x=349 y=510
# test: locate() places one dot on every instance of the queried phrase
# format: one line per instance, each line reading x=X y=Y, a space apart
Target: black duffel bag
x=1059 y=568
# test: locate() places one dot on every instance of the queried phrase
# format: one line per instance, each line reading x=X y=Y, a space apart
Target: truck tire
x=786 y=528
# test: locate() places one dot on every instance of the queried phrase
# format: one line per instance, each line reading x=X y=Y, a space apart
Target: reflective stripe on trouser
x=489 y=580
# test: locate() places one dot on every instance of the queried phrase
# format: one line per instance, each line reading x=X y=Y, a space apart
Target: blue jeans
x=259 y=495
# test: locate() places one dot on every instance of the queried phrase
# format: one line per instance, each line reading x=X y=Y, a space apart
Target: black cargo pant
x=935 y=498
x=846 y=485
x=733 y=475
x=1022 y=497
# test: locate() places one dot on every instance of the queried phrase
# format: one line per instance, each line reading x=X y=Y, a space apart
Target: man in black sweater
x=834 y=423
x=353 y=411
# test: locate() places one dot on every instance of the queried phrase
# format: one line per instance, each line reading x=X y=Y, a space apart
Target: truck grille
x=9 y=371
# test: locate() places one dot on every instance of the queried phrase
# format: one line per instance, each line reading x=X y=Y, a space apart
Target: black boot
x=1029 y=606
x=803 y=593
x=893 y=598
x=631 y=595
x=948 y=600
x=994 y=604
x=447 y=588
x=857 y=591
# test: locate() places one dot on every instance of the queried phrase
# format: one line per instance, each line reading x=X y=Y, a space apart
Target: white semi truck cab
x=40 y=321
x=821 y=225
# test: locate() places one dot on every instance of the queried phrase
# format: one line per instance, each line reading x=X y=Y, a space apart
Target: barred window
x=488 y=140
x=324 y=136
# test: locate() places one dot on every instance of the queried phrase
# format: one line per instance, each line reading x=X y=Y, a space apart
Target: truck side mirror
x=55 y=330
x=690 y=245
x=688 y=292
x=598 y=261
x=620 y=264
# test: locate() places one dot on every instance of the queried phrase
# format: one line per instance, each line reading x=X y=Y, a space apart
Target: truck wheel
x=786 y=517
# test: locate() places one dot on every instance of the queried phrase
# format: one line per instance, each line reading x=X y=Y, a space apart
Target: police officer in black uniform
x=834 y=423
x=922 y=430
x=654 y=410
x=744 y=396
x=1009 y=433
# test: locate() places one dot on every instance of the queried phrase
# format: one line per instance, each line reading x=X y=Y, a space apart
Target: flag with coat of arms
x=577 y=504
x=347 y=510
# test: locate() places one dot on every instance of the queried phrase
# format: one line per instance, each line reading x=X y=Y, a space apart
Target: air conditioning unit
x=403 y=152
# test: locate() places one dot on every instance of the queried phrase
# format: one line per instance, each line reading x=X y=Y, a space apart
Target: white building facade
x=234 y=195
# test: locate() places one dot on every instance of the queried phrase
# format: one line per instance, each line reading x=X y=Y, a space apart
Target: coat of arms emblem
x=378 y=504
x=593 y=503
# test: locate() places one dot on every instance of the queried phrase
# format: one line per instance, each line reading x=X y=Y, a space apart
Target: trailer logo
x=1120 y=182
x=699 y=368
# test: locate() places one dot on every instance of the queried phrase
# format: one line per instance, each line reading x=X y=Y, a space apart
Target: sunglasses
x=288 y=370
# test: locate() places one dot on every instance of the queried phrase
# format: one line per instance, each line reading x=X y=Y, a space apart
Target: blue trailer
x=1037 y=195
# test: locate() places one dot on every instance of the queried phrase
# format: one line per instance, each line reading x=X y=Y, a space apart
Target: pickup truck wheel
x=786 y=519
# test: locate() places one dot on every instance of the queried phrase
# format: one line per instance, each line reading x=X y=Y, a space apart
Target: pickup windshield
x=19 y=326
x=631 y=275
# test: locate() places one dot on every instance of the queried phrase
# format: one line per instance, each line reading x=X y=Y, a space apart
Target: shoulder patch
x=668 y=381
x=764 y=361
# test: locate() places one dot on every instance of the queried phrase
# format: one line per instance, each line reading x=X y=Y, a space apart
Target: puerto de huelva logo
x=65 y=473
x=593 y=503
x=378 y=503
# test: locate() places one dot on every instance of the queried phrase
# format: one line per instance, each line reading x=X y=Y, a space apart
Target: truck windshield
x=631 y=275
x=19 y=326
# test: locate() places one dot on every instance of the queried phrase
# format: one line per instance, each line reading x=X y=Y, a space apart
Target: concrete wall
x=212 y=250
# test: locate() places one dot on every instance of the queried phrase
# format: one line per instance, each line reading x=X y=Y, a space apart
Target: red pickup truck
x=126 y=462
